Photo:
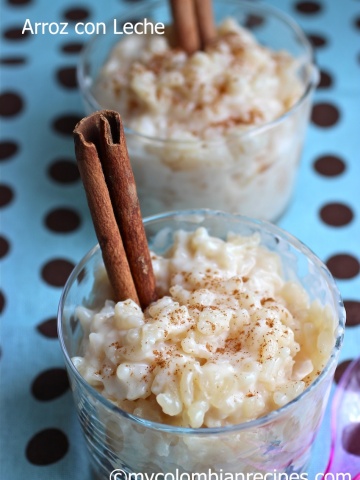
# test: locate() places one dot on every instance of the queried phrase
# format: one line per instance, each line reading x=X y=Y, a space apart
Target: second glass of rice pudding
x=228 y=373
x=223 y=128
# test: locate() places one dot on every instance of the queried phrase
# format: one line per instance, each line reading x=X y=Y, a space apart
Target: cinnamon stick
x=110 y=188
x=186 y=29
x=205 y=21
x=122 y=189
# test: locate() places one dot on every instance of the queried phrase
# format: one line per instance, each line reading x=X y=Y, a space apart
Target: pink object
x=345 y=424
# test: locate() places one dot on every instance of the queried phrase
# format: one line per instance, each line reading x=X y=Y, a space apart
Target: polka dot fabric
x=46 y=227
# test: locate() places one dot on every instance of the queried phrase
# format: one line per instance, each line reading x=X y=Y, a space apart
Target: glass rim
x=258 y=422
x=312 y=81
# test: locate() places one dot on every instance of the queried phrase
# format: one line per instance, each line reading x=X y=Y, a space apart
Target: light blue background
x=25 y=352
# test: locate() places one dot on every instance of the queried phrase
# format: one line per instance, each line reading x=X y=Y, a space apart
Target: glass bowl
x=280 y=441
x=252 y=172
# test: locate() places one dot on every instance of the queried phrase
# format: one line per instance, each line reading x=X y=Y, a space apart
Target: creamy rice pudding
x=231 y=87
x=228 y=341
x=221 y=129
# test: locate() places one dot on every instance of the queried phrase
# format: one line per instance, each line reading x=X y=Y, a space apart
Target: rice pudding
x=228 y=341
x=221 y=129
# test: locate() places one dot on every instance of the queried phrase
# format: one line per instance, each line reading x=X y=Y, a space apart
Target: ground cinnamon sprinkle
x=210 y=334
x=169 y=84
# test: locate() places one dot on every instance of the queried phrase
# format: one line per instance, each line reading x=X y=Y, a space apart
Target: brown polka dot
x=253 y=21
x=317 y=41
x=8 y=149
x=2 y=302
x=329 y=165
x=67 y=77
x=62 y=220
x=19 y=2
x=6 y=195
x=4 y=246
x=336 y=214
x=50 y=384
x=72 y=47
x=340 y=370
x=10 y=104
x=357 y=23
x=350 y=439
x=76 y=14
x=64 y=171
x=65 y=124
x=325 y=115
x=352 y=308
x=308 y=8
x=15 y=34
x=47 y=446
x=56 y=272
x=12 y=60
x=343 y=266
x=326 y=80
x=48 y=328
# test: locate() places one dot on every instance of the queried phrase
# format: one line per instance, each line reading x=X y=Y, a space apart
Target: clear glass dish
x=282 y=440
x=252 y=173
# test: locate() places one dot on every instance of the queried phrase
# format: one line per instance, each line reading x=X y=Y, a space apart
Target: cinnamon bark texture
x=205 y=21
x=186 y=29
x=109 y=183
x=194 y=23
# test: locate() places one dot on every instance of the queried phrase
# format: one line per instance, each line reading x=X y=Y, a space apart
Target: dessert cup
x=280 y=441
x=253 y=172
